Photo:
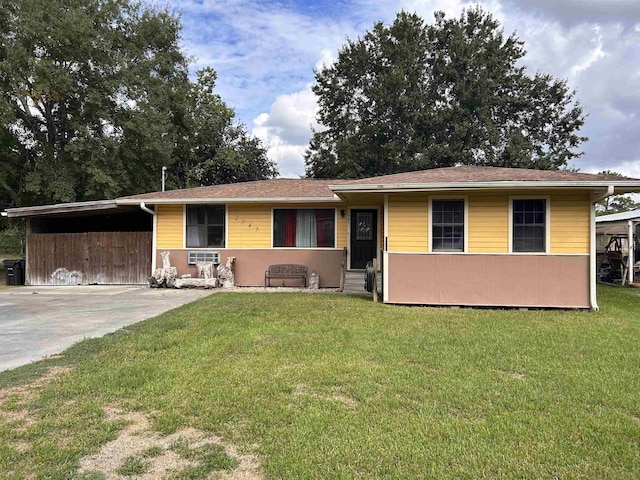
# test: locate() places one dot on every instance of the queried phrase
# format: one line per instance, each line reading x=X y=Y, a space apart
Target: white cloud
x=572 y=12
x=327 y=58
x=630 y=168
x=286 y=130
x=593 y=56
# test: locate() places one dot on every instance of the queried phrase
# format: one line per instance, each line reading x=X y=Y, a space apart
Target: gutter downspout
x=630 y=259
x=595 y=198
x=144 y=208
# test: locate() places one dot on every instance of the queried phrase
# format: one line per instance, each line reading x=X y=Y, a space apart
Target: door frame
x=378 y=230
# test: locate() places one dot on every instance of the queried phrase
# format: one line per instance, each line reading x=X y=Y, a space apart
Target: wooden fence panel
x=90 y=258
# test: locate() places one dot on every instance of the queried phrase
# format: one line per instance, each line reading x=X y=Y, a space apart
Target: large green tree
x=95 y=98
x=414 y=95
x=90 y=89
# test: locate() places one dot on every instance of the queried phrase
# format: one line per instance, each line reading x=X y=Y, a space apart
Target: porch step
x=354 y=283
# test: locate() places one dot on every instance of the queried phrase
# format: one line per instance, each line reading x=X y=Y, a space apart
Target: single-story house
x=475 y=236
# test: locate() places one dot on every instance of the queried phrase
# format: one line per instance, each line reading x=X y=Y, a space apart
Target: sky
x=265 y=53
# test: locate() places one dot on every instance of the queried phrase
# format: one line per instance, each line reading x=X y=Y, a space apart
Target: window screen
x=447 y=225
x=205 y=226
x=529 y=225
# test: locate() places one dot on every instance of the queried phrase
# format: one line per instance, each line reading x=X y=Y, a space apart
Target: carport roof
x=62 y=208
x=618 y=217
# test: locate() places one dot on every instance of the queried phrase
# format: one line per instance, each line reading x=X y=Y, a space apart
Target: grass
x=210 y=457
x=329 y=386
x=132 y=466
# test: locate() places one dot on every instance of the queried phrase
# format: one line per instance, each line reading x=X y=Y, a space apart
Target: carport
x=87 y=243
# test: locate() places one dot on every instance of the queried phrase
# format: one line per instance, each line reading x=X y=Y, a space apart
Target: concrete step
x=354 y=283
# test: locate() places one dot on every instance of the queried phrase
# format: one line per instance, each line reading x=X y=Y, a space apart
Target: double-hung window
x=304 y=227
x=447 y=225
x=205 y=226
x=529 y=225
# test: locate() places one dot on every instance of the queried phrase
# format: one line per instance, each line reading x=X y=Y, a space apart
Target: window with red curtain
x=304 y=227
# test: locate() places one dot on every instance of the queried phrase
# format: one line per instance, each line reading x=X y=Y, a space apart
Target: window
x=304 y=227
x=447 y=225
x=529 y=225
x=205 y=226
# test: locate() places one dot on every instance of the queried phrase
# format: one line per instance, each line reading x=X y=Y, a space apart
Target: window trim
x=547 y=223
x=225 y=226
x=465 y=199
x=286 y=207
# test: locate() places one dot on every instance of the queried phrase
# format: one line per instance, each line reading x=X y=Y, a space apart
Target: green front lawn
x=329 y=386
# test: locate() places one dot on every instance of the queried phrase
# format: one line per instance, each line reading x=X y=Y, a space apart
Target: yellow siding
x=408 y=223
x=488 y=224
x=170 y=226
x=342 y=227
x=249 y=226
x=570 y=223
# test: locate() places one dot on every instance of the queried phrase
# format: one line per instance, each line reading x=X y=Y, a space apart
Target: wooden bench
x=285 y=271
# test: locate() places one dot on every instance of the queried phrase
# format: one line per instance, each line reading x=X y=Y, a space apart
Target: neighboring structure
x=616 y=224
x=625 y=225
x=477 y=236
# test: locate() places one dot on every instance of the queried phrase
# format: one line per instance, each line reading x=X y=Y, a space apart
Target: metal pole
x=164 y=169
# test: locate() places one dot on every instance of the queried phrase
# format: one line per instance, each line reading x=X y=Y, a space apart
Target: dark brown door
x=364 y=234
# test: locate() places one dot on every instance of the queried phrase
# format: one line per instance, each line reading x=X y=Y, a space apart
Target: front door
x=364 y=235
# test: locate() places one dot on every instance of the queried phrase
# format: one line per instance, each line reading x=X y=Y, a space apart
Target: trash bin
x=14 y=271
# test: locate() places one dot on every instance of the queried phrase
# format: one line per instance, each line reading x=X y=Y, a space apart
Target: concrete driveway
x=39 y=321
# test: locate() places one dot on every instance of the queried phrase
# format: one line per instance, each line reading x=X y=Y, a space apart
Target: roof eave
x=627 y=186
x=165 y=201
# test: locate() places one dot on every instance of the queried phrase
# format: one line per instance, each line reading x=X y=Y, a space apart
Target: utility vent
x=203 y=257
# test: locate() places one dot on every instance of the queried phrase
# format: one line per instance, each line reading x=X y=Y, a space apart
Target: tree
x=89 y=88
x=95 y=98
x=412 y=96
x=215 y=149
x=615 y=203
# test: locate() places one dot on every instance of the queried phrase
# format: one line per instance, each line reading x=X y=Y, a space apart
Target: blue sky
x=265 y=53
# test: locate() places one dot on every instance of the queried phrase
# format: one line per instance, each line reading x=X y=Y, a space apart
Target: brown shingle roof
x=467 y=173
x=287 y=189
x=279 y=188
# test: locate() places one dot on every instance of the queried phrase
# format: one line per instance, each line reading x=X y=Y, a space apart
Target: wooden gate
x=92 y=258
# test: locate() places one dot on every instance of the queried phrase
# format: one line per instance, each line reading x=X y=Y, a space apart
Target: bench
x=285 y=271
